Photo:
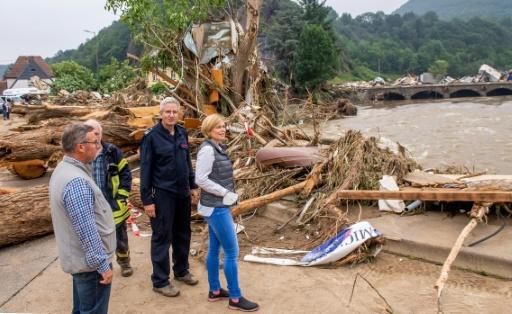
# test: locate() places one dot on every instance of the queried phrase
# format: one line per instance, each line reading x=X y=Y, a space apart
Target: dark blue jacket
x=165 y=163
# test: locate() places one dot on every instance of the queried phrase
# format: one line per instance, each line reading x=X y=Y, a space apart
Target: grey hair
x=169 y=100
x=95 y=124
x=74 y=134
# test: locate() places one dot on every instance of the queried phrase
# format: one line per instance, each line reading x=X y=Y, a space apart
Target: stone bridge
x=437 y=91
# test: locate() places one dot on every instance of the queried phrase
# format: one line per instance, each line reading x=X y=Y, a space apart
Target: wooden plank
x=421 y=178
x=428 y=195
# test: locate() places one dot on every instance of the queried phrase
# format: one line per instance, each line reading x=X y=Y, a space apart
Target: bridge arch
x=393 y=96
x=465 y=93
x=500 y=92
x=427 y=94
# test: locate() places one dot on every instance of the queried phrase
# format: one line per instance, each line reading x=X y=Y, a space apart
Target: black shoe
x=223 y=295
x=243 y=305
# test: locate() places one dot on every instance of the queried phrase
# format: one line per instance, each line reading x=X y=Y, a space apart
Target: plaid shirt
x=99 y=172
x=78 y=198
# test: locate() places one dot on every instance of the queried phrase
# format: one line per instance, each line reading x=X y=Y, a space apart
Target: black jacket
x=165 y=163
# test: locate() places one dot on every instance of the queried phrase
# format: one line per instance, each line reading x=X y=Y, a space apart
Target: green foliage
x=359 y=73
x=396 y=45
x=160 y=23
x=111 y=42
x=459 y=8
x=158 y=88
x=316 y=60
x=115 y=76
x=386 y=45
x=71 y=76
x=283 y=37
x=439 y=68
x=285 y=21
x=315 y=12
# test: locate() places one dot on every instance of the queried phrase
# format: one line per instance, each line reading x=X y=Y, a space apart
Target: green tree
x=315 y=12
x=316 y=60
x=111 y=42
x=283 y=38
x=115 y=76
x=160 y=23
x=158 y=88
x=439 y=68
x=71 y=76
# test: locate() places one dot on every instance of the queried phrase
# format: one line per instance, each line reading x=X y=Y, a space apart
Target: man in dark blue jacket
x=114 y=177
x=167 y=183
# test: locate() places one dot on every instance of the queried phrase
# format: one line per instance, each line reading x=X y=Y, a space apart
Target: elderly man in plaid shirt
x=82 y=222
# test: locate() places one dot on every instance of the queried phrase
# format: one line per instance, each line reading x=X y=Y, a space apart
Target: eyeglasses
x=96 y=142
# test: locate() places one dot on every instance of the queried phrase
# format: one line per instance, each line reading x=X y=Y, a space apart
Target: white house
x=25 y=67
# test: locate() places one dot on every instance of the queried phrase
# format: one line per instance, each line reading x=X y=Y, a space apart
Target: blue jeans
x=222 y=233
x=89 y=295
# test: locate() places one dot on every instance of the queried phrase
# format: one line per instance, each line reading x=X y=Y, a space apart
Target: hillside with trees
x=448 y=9
x=113 y=41
x=393 y=45
x=365 y=46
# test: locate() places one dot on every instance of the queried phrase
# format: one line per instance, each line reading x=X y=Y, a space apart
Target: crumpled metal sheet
x=207 y=40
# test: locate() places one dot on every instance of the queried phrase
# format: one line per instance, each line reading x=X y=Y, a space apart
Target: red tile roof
x=23 y=61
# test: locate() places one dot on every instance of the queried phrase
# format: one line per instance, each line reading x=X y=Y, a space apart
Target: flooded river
x=474 y=132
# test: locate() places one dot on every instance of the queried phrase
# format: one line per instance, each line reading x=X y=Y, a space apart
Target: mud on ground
x=406 y=284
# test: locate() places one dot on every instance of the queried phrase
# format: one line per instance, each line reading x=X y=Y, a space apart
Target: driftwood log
x=25 y=215
x=29 y=169
x=307 y=185
x=477 y=213
x=16 y=150
x=37 y=115
x=44 y=142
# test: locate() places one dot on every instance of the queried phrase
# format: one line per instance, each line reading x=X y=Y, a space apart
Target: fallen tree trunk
x=477 y=213
x=245 y=49
x=29 y=169
x=119 y=134
x=37 y=115
x=26 y=150
x=24 y=109
x=312 y=181
x=247 y=205
x=26 y=215
x=43 y=143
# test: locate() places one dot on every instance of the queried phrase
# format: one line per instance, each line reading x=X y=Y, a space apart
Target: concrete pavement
x=430 y=236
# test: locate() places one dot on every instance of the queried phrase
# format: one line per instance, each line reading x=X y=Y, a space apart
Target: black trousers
x=122 y=248
x=171 y=226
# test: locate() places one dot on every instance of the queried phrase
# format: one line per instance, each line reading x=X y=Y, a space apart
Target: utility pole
x=97 y=44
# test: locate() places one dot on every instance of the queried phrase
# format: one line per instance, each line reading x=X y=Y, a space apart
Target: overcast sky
x=43 y=27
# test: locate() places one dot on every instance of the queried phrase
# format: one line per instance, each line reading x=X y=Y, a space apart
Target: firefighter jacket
x=118 y=181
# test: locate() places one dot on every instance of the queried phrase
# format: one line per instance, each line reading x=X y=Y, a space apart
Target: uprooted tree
x=166 y=26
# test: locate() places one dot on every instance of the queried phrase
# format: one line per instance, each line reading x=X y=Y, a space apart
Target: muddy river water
x=474 y=132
